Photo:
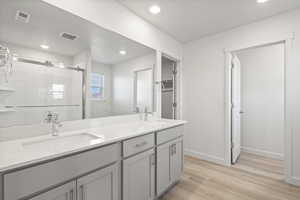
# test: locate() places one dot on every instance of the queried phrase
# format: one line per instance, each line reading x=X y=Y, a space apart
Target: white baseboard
x=293 y=181
x=206 y=157
x=277 y=156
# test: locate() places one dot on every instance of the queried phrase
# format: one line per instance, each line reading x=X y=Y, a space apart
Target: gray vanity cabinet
x=151 y=163
x=169 y=164
x=64 y=192
x=169 y=154
x=163 y=168
x=52 y=173
x=102 y=184
x=176 y=158
x=139 y=176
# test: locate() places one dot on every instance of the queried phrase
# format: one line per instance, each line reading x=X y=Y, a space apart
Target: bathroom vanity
x=75 y=110
x=134 y=161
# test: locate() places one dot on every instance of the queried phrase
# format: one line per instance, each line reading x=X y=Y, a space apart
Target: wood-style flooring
x=261 y=165
x=203 y=180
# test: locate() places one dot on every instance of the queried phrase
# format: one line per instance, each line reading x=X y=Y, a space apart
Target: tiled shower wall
x=39 y=89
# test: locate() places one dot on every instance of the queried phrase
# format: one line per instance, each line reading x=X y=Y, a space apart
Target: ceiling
x=188 y=20
x=48 y=22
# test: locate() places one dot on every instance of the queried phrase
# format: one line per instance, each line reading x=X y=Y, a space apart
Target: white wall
x=262 y=95
x=203 y=85
x=102 y=108
x=113 y=16
x=123 y=82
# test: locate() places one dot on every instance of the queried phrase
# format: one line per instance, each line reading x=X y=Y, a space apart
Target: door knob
x=241 y=112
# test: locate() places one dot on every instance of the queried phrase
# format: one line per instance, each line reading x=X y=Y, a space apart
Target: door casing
x=287 y=40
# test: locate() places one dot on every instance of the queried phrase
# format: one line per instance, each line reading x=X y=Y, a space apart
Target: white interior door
x=262 y=100
x=236 y=108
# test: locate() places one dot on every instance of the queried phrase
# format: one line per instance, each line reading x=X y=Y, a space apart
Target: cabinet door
x=64 y=192
x=100 y=185
x=139 y=177
x=176 y=160
x=163 y=176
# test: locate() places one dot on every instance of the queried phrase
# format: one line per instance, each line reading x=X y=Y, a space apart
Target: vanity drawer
x=138 y=144
x=169 y=134
x=34 y=179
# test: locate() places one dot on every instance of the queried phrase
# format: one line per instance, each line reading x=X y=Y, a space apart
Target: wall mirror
x=51 y=60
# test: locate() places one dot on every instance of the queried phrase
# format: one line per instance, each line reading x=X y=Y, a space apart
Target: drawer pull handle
x=173 y=149
x=82 y=192
x=72 y=194
x=141 y=144
x=152 y=159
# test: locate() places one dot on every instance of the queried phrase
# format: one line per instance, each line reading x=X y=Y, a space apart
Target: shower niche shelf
x=6 y=90
x=7 y=110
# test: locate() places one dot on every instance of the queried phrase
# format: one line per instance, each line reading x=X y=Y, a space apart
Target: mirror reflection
x=143 y=89
x=70 y=67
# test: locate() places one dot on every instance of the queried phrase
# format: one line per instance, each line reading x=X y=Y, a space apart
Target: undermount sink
x=64 y=141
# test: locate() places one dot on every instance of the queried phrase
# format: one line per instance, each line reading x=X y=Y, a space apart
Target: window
x=58 y=91
x=97 y=86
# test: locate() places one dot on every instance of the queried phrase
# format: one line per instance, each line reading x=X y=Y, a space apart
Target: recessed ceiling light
x=43 y=46
x=155 y=9
x=262 y=1
x=123 y=52
x=61 y=65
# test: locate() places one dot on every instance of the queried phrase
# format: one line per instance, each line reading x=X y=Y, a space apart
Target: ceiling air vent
x=22 y=16
x=69 y=36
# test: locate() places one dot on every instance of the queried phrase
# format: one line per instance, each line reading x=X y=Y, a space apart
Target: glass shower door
x=39 y=89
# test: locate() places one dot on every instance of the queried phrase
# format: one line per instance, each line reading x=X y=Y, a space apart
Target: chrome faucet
x=52 y=118
x=137 y=110
x=146 y=114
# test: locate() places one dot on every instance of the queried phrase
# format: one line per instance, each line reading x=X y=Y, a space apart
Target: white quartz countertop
x=16 y=153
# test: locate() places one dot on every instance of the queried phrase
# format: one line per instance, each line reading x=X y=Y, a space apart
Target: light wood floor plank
x=261 y=165
x=203 y=180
